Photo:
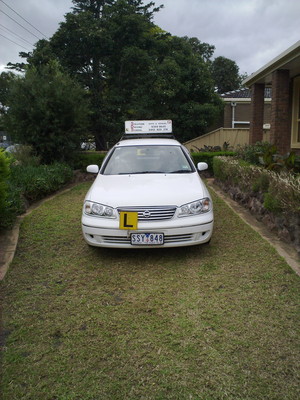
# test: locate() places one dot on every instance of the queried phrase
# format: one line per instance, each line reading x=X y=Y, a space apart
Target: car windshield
x=147 y=160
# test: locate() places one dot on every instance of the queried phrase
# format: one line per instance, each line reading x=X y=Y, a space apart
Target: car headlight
x=196 y=207
x=98 y=210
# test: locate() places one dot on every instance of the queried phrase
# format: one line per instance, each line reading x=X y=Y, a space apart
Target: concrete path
x=9 y=239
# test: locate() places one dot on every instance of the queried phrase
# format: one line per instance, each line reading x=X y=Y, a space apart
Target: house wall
x=227 y=116
x=295 y=114
x=257 y=113
x=281 y=111
x=235 y=138
x=243 y=113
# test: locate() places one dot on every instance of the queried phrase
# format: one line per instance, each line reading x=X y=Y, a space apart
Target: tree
x=203 y=50
x=85 y=44
x=47 y=110
x=183 y=89
x=6 y=80
x=225 y=73
x=132 y=69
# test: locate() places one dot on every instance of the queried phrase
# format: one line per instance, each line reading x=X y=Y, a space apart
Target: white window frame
x=295 y=136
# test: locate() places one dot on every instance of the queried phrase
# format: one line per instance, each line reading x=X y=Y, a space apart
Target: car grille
x=167 y=239
x=151 y=213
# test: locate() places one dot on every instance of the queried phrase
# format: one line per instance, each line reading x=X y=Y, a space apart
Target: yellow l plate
x=128 y=220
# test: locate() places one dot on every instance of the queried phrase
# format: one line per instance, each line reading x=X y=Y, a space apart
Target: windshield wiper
x=146 y=172
x=180 y=171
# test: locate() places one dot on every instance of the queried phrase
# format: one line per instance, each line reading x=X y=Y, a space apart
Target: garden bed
x=274 y=199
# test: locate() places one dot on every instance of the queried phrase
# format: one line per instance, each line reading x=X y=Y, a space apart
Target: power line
x=14 y=42
x=12 y=33
x=20 y=24
x=24 y=19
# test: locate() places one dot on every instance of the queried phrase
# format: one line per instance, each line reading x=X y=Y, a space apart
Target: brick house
x=282 y=74
x=237 y=108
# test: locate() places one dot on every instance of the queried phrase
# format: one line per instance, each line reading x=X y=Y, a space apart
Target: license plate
x=147 y=238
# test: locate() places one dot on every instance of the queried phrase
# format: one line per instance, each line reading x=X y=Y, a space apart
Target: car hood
x=147 y=189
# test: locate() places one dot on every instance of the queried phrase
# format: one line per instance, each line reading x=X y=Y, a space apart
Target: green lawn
x=198 y=323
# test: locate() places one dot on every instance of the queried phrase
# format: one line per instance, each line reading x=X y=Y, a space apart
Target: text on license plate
x=147 y=238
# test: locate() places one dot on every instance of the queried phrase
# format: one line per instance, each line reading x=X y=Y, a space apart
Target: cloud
x=44 y=15
x=250 y=32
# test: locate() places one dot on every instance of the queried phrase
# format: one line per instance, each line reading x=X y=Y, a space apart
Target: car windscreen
x=145 y=159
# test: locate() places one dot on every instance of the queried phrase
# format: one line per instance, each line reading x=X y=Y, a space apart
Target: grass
x=200 y=323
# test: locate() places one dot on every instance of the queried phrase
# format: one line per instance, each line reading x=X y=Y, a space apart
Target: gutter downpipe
x=233 y=105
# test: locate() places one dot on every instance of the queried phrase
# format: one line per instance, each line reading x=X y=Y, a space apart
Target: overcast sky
x=250 y=32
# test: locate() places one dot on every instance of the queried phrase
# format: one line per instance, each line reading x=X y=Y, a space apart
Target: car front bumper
x=182 y=232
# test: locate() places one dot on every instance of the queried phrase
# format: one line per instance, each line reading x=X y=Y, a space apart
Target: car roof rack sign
x=150 y=128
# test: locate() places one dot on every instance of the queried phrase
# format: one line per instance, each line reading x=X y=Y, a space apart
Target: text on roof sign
x=153 y=126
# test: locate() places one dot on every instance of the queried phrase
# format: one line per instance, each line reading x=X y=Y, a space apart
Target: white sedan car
x=147 y=193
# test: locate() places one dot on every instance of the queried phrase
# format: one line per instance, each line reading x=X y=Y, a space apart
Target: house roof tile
x=244 y=93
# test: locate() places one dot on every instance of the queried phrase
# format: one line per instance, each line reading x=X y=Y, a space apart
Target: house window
x=296 y=115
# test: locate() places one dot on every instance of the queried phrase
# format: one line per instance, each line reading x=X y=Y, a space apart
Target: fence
x=234 y=137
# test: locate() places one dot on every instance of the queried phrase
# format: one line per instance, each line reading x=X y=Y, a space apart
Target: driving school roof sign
x=153 y=126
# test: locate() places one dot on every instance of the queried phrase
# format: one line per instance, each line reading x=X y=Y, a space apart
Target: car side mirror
x=94 y=169
x=202 y=166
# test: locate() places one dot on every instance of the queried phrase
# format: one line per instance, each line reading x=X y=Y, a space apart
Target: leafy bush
x=281 y=190
x=4 y=173
x=27 y=184
x=253 y=153
x=23 y=155
x=262 y=184
x=277 y=162
x=36 y=182
x=266 y=154
x=83 y=159
x=271 y=203
x=15 y=205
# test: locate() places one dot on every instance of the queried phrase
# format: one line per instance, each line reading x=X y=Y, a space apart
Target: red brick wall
x=257 y=113
x=267 y=113
x=280 y=133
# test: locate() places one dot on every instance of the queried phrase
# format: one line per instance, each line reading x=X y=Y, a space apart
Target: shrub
x=36 y=182
x=262 y=183
x=266 y=154
x=27 y=184
x=281 y=190
x=4 y=173
x=271 y=203
x=23 y=154
x=285 y=187
x=253 y=153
